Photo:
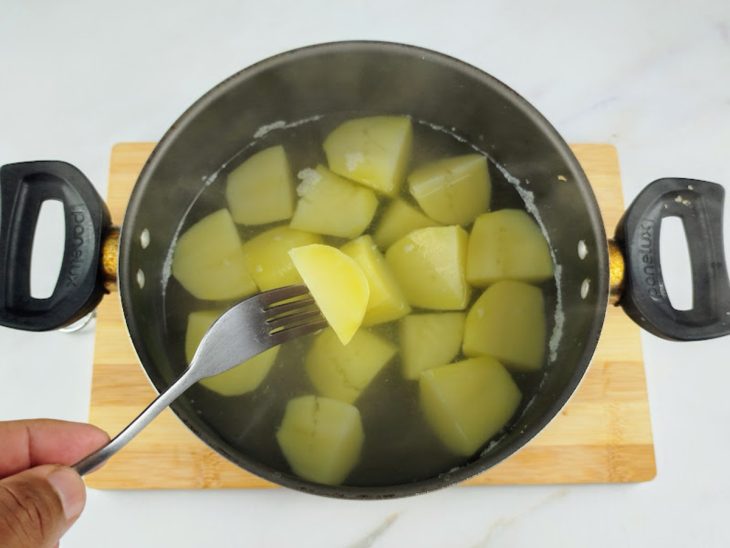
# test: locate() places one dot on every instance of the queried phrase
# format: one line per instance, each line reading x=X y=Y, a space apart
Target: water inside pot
x=399 y=446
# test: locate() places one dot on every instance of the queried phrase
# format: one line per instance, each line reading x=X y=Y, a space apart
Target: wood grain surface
x=603 y=435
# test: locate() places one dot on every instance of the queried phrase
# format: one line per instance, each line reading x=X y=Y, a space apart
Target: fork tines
x=272 y=297
x=291 y=311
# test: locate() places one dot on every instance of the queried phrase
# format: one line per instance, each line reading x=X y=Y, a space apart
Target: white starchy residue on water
x=210 y=179
x=263 y=130
x=559 y=317
x=309 y=178
x=487 y=449
x=283 y=124
x=449 y=132
x=353 y=159
x=167 y=264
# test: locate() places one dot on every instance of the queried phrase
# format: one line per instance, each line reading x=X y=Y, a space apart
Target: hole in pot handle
x=699 y=204
x=80 y=285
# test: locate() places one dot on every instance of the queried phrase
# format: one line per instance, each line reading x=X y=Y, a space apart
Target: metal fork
x=243 y=331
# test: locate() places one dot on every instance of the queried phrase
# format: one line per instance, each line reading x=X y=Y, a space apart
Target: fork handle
x=101 y=455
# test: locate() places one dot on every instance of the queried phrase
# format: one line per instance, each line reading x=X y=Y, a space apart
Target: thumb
x=38 y=505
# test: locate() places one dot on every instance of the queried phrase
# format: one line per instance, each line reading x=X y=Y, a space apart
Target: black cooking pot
x=367 y=78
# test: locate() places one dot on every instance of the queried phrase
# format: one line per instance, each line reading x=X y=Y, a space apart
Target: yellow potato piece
x=429 y=340
x=267 y=256
x=453 y=191
x=243 y=378
x=508 y=322
x=373 y=151
x=338 y=285
x=429 y=265
x=321 y=438
x=208 y=260
x=386 y=302
x=331 y=205
x=342 y=371
x=261 y=189
x=468 y=402
x=398 y=219
x=507 y=245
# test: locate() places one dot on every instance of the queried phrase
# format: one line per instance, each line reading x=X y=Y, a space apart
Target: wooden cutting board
x=602 y=436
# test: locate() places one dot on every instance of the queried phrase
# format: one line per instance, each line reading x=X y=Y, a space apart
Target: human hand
x=40 y=500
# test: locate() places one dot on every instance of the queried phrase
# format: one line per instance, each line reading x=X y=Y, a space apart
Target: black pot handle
x=699 y=204
x=79 y=288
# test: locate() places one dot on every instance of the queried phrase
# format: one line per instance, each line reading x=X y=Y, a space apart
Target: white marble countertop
x=651 y=77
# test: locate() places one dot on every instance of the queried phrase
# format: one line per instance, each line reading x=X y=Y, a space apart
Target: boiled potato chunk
x=267 y=256
x=338 y=285
x=468 y=402
x=243 y=378
x=386 y=302
x=372 y=151
x=507 y=245
x=508 y=322
x=429 y=265
x=342 y=371
x=209 y=262
x=321 y=438
x=329 y=204
x=261 y=189
x=429 y=340
x=398 y=219
x=453 y=191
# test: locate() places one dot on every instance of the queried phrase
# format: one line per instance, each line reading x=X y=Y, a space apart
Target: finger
x=38 y=505
x=29 y=443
